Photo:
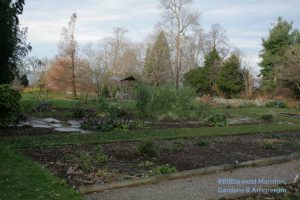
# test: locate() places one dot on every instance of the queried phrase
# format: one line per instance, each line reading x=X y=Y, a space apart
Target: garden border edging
x=189 y=173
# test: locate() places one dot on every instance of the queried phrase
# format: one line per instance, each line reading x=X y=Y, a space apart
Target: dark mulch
x=26 y=131
x=183 y=154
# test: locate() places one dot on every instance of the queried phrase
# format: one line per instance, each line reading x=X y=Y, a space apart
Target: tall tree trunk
x=73 y=78
x=73 y=51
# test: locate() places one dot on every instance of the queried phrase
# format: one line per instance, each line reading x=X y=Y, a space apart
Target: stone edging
x=188 y=173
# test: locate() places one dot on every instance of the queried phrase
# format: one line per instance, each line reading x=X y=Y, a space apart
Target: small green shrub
x=83 y=161
x=176 y=146
x=267 y=117
x=145 y=164
x=98 y=123
x=137 y=124
x=9 y=105
x=147 y=147
x=276 y=104
x=163 y=169
x=100 y=156
x=218 y=119
x=267 y=145
x=202 y=143
x=87 y=161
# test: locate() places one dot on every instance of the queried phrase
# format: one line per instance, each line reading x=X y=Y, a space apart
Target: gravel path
x=202 y=187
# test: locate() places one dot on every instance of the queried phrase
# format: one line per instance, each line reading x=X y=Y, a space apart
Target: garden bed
x=94 y=164
x=26 y=131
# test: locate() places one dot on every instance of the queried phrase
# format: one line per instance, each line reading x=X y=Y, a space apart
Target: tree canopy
x=13 y=46
x=230 y=80
x=281 y=36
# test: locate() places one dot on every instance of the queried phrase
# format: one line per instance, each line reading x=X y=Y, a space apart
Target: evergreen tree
x=212 y=65
x=13 y=46
x=230 y=80
x=281 y=36
x=158 y=62
x=197 y=78
x=24 y=80
x=203 y=79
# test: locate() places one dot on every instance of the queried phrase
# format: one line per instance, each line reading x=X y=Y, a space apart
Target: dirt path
x=203 y=187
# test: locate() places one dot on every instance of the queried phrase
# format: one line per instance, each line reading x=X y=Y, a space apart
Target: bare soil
x=26 y=131
x=124 y=161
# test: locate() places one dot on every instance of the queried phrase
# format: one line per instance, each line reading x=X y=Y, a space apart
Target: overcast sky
x=245 y=21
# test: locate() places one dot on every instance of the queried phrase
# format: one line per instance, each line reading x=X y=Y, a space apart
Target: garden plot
x=111 y=162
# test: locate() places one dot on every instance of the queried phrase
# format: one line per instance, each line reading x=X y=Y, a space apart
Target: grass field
x=20 y=178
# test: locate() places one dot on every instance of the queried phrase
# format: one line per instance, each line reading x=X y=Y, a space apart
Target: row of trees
x=178 y=52
x=218 y=77
x=178 y=45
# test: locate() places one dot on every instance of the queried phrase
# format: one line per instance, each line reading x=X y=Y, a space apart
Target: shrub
x=83 y=161
x=9 y=105
x=98 y=123
x=143 y=98
x=267 y=145
x=100 y=156
x=218 y=119
x=43 y=107
x=163 y=169
x=145 y=164
x=267 y=117
x=176 y=146
x=102 y=104
x=87 y=161
x=164 y=102
x=78 y=111
x=137 y=124
x=276 y=104
x=202 y=143
x=105 y=107
x=147 y=147
x=183 y=103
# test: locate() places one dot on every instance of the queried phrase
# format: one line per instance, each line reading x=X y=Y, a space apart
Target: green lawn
x=120 y=136
x=20 y=178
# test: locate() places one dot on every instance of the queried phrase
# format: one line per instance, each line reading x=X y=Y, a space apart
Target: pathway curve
x=202 y=187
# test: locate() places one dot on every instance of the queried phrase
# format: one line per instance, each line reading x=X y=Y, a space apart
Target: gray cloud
x=246 y=21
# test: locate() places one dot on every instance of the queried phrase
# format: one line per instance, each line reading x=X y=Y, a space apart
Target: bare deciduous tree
x=97 y=63
x=216 y=38
x=114 y=49
x=177 y=21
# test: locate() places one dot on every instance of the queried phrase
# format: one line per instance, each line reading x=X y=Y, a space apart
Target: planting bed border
x=189 y=173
